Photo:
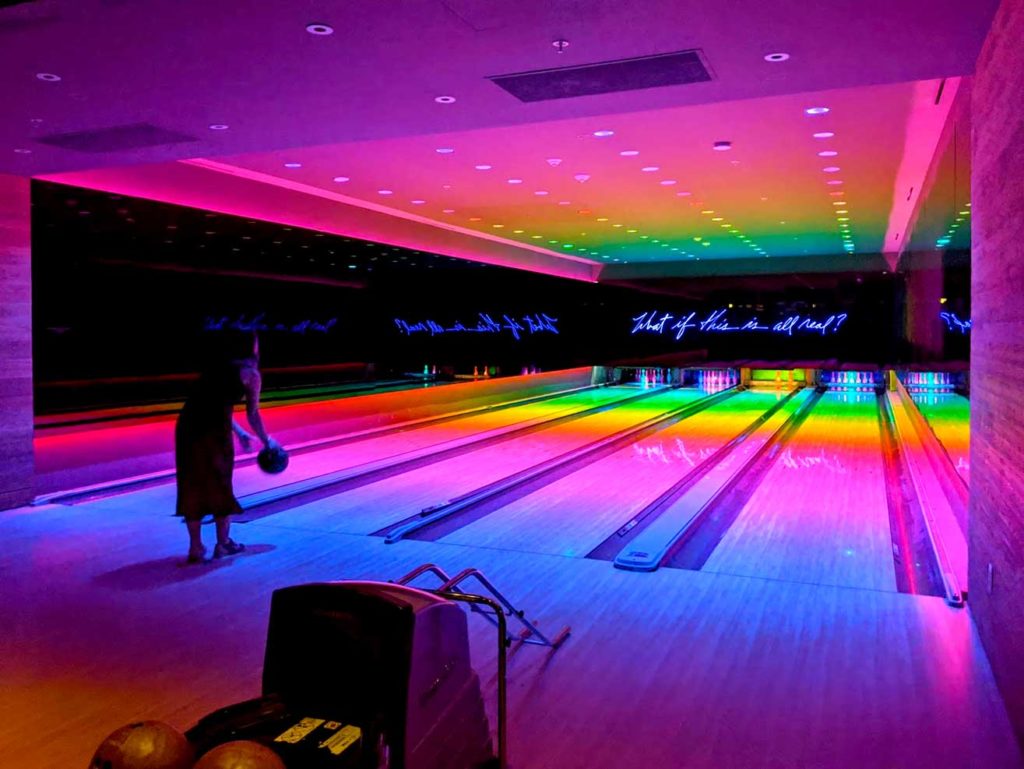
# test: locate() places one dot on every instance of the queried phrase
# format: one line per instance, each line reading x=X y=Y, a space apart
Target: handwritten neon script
x=538 y=323
x=654 y=322
x=953 y=323
x=260 y=323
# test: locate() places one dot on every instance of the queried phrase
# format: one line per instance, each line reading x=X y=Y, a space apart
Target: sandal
x=226 y=548
x=197 y=556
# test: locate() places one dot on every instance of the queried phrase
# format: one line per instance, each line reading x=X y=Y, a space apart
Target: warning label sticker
x=301 y=730
x=339 y=742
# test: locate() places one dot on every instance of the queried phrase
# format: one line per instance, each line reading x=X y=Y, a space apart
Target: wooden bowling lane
x=949 y=416
x=820 y=514
x=573 y=515
x=250 y=479
x=371 y=507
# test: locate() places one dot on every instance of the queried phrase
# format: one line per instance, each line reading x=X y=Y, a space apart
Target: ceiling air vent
x=122 y=137
x=607 y=77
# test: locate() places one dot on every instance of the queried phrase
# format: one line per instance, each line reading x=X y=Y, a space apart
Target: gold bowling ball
x=241 y=754
x=144 y=745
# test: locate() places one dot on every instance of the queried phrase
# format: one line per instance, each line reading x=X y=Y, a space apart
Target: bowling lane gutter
x=614 y=547
x=137 y=483
x=438 y=521
x=691 y=547
x=911 y=544
x=277 y=499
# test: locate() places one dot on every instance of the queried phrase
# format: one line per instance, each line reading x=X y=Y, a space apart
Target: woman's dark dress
x=204 y=449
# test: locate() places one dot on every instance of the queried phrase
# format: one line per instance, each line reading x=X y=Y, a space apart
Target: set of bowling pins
x=716 y=379
x=429 y=370
x=853 y=378
x=651 y=377
x=929 y=379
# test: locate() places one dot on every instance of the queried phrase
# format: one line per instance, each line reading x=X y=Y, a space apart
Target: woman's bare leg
x=195 y=539
x=223 y=529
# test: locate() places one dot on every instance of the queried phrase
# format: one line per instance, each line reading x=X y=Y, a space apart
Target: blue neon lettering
x=718 y=321
x=954 y=323
x=538 y=323
x=260 y=322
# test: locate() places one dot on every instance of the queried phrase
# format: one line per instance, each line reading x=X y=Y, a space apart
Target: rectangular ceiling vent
x=116 y=138
x=678 y=68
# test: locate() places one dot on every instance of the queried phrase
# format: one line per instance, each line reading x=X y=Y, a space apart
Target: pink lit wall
x=15 y=343
x=996 y=534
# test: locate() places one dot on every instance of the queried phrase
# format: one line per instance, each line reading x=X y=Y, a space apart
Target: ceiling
x=243 y=83
x=792 y=183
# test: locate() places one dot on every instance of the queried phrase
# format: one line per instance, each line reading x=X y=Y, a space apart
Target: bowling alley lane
x=820 y=514
x=249 y=479
x=575 y=514
x=368 y=508
x=949 y=416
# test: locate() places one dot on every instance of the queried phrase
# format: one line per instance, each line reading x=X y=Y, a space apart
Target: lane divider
x=440 y=520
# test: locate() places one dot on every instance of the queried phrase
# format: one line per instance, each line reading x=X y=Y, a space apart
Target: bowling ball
x=144 y=745
x=272 y=460
x=240 y=754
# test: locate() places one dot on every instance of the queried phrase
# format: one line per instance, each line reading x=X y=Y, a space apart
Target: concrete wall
x=15 y=343
x=996 y=536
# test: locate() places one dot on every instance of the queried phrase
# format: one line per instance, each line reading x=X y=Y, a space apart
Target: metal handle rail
x=531 y=634
x=474 y=602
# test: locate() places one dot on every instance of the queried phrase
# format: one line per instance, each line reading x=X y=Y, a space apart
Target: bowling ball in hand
x=272 y=460
x=240 y=754
x=144 y=745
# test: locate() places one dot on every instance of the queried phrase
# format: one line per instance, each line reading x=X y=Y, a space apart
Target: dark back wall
x=126 y=288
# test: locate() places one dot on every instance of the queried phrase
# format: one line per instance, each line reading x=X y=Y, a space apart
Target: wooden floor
x=102 y=624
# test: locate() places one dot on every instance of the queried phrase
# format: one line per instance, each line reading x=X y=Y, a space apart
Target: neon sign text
x=260 y=323
x=537 y=323
x=718 y=321
x=954 y=323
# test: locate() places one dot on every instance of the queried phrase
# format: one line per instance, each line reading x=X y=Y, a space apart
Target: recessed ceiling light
x=320 y=29
x=385 y=192
x=515 y=181
x=417 y=202
x=22 y=151
x=474 y=218
x=518 y=232
x=650 y=169
x=716 y=218
x=683 y=194
x=616 y=225
x=564 y=202
x=340 y=179
x=219 y=126
x=629 y=153
x=837 y=194
x=667 y=182
x=444 y=99
x=722 y=146
x=603 y=133
x=831 y=169
x=776 y=57
x=448 y=211
x=541 y=192
x=293 y=165
x=581 y=177
x=834 y=181
x=554 y=162
x=483 y=167
x=816 y=110
x=602 y=218
x=823 y=135
x=444 y=150
x=827 y=154
x=48 y=77
x=498 y=226
x=630 y=230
